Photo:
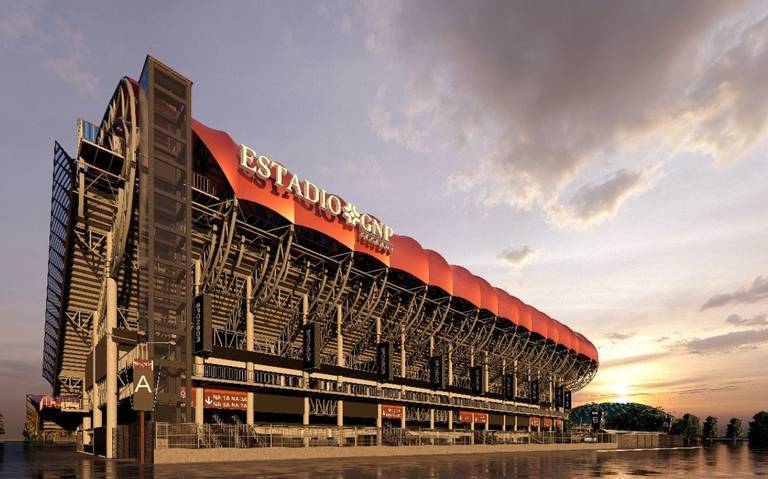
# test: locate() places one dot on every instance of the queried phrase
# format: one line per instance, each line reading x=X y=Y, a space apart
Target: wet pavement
x=721 y=460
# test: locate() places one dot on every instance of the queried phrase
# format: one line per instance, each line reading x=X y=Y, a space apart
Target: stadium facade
x=254 y=296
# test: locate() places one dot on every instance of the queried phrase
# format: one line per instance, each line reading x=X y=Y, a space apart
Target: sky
x=604 y=161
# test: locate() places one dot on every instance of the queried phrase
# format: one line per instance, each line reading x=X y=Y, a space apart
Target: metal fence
x=203 y=436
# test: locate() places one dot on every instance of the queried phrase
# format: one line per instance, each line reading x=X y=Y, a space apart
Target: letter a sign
x=143 y=385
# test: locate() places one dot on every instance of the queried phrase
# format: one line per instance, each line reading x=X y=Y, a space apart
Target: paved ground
x=717 y=461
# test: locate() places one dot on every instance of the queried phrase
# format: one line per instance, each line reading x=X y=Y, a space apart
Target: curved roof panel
x=407 y=254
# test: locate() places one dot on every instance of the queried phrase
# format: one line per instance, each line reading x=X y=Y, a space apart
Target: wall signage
x=202 y=327
x=534 y=396
x=370 y=229
x=391 y=411
x=143 y=385
x=384 y=365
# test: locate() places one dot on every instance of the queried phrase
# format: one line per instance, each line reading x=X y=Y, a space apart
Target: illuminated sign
x=369 y=228
x=230 y=399
x=391 y=411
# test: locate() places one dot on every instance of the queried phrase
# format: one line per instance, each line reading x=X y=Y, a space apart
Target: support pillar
x=339 y=337
x=379 y=424
x=431 y=410
x=249 y=347
x=97 y=419
x=199 y=366
x=340 y=421
x=111 y=364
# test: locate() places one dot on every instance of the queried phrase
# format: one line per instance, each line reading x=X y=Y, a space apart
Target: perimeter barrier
x=208 y=436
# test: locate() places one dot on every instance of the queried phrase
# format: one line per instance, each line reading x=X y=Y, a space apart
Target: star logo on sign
x=351 y=216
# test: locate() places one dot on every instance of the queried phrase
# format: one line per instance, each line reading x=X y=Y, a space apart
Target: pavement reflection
x=722 y=460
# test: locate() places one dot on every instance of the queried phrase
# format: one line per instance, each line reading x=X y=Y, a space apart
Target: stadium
x=196 y=285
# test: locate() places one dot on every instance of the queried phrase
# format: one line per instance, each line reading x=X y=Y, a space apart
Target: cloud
x=615 y=337
x=549 y=97
x=759 y=320
x=757 y=291
x=733 y=341
x=662 y=339
x=640 y=358
x=518 y=255
x=60 y=47
x=594 y=202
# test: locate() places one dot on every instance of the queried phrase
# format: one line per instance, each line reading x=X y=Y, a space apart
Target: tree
x=623 y=416
x=733 y=430
x=688 y=426
x=2 y=425
x=758 y=428
x=709 y=430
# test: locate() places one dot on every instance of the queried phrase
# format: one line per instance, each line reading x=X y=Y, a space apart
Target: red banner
x=535 y=421
x=469 y=416
x=391 y=411
x=465 y=416
x=231 y=399
x=481 y=417
x=547 y=422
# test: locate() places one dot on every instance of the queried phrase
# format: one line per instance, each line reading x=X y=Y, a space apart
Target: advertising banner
x=437 y=371
x=476 y=380
x=508 y=387
x=202 y=328
x=567 y=400
x=384 y=365
x=311 y=346
x=534 y=393
x=558 y=396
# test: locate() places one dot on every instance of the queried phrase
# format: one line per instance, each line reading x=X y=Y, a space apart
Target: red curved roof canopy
x=465 y=285
x=540 y=324
x=440 y=274
x=407 y=255
x=508 y=308
x=489 y=299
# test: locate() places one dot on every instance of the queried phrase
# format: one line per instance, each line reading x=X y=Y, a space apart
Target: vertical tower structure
x=165 y=288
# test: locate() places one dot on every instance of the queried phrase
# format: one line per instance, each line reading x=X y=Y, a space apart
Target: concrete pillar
x=432 y=418
x=504 y=422
x=305 y=416
x=450 y=365
x=111 y=364
x=97 y=419
x=339 y=337
x=379 y=424
x=304 y=320
x=402 y=418
x=340 y=421
x=402 y=352
x=515 y=423
x=486 y=376
x=431 y=410
x=199 y=366
x=249 y=346
x=450 y=420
